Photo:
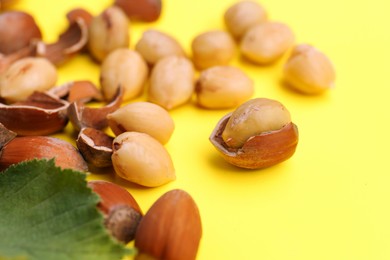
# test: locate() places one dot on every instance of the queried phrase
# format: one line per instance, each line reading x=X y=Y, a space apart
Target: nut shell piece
x=143 y=10
x=259 y=151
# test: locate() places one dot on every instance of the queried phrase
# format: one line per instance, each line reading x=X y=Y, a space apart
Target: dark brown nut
x=6 y=135
x=26 y=76
x=266 y=42
x=69 y=43
x=82 y=116
x=223 y=87
x=125 y=68
x=171 y=228
x=141 y=159
x=256 y=135
x=309 y=71
x=171 y=82
x=144 y=117
x=107 y=32
x=212 y=48
x=243 y=15
x=143 y=10
x=17 y=30
x=155 y=45
x=121 y=211
x=40 y=114
x=95 y=146
x=27 y=148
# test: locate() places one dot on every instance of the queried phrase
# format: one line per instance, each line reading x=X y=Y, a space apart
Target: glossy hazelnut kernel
x=171 y=82
x=107 y=32
x=141 y=159
x=125 y=68
x=309 y=71
x=144 y=117
x=155 y=45
x=258 y=134
x=171 y=228
x=212 y=48
x=17 y=30
x=120 y=210
x=25 y=76
x=266 y=42
x=243 y=15
x=223 y=87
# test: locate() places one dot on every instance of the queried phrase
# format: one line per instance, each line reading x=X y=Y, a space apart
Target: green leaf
x=50 y=213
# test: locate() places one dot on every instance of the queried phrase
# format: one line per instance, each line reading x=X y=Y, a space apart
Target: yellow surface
x=331 y=199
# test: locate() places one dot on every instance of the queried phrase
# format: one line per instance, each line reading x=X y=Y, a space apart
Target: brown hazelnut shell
x=260 y=151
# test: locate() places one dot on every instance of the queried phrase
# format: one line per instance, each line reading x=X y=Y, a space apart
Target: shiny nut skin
x=309 y=71
x=144 y=117
x=266 y=42
x=141 y=159
x=212 y=48
x=222 y=87
x=121 y=211
x=243 y=15
x=107 y=32
x=25 y=76
x=143 y=10
x=126 y=68
x=172 y=82
x=171 y=228
x=258 y=134
x=155 y=45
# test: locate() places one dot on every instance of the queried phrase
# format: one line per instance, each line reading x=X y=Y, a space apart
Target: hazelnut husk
x=259 y=151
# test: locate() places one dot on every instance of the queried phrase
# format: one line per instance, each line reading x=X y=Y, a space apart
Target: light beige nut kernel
x=107 y=32
x=144 y=117
x=125 y=68
x=155 y=45
x=223 y=87
x=212 y=48
x=141 y=159
x=243 y=15
x=26 y=76
x=309 y=71
x=252 y=118
x=267 y=42
x=171 y=82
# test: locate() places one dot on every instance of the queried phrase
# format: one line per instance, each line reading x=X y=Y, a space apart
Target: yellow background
x=331 y=199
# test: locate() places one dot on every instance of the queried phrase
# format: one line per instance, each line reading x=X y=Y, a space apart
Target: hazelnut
x=308 y=70
x=25 y=76
x=212 y=48
x=141 y=159
x=266 y=42
x=144 y=117
x=121 y=211
x=107 y=32
x=223 y=87
x=171 y=82
x=126 y=68
x=143 y=10
x=155 y=45
x=258 y=134
x=243 y=15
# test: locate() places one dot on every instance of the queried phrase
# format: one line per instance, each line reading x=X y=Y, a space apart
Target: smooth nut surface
x=107 y=32
x=266 y=42
x=223 y=87
x=144 y=117
x=25 y=76
x=171 y=82
x=212 y=48
x=243 y=15
x=139 y=158
x=308 y=70
x=252 y=118
x=125 y=68
x=155 y=45
x=17 y=30
x=143 y=10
